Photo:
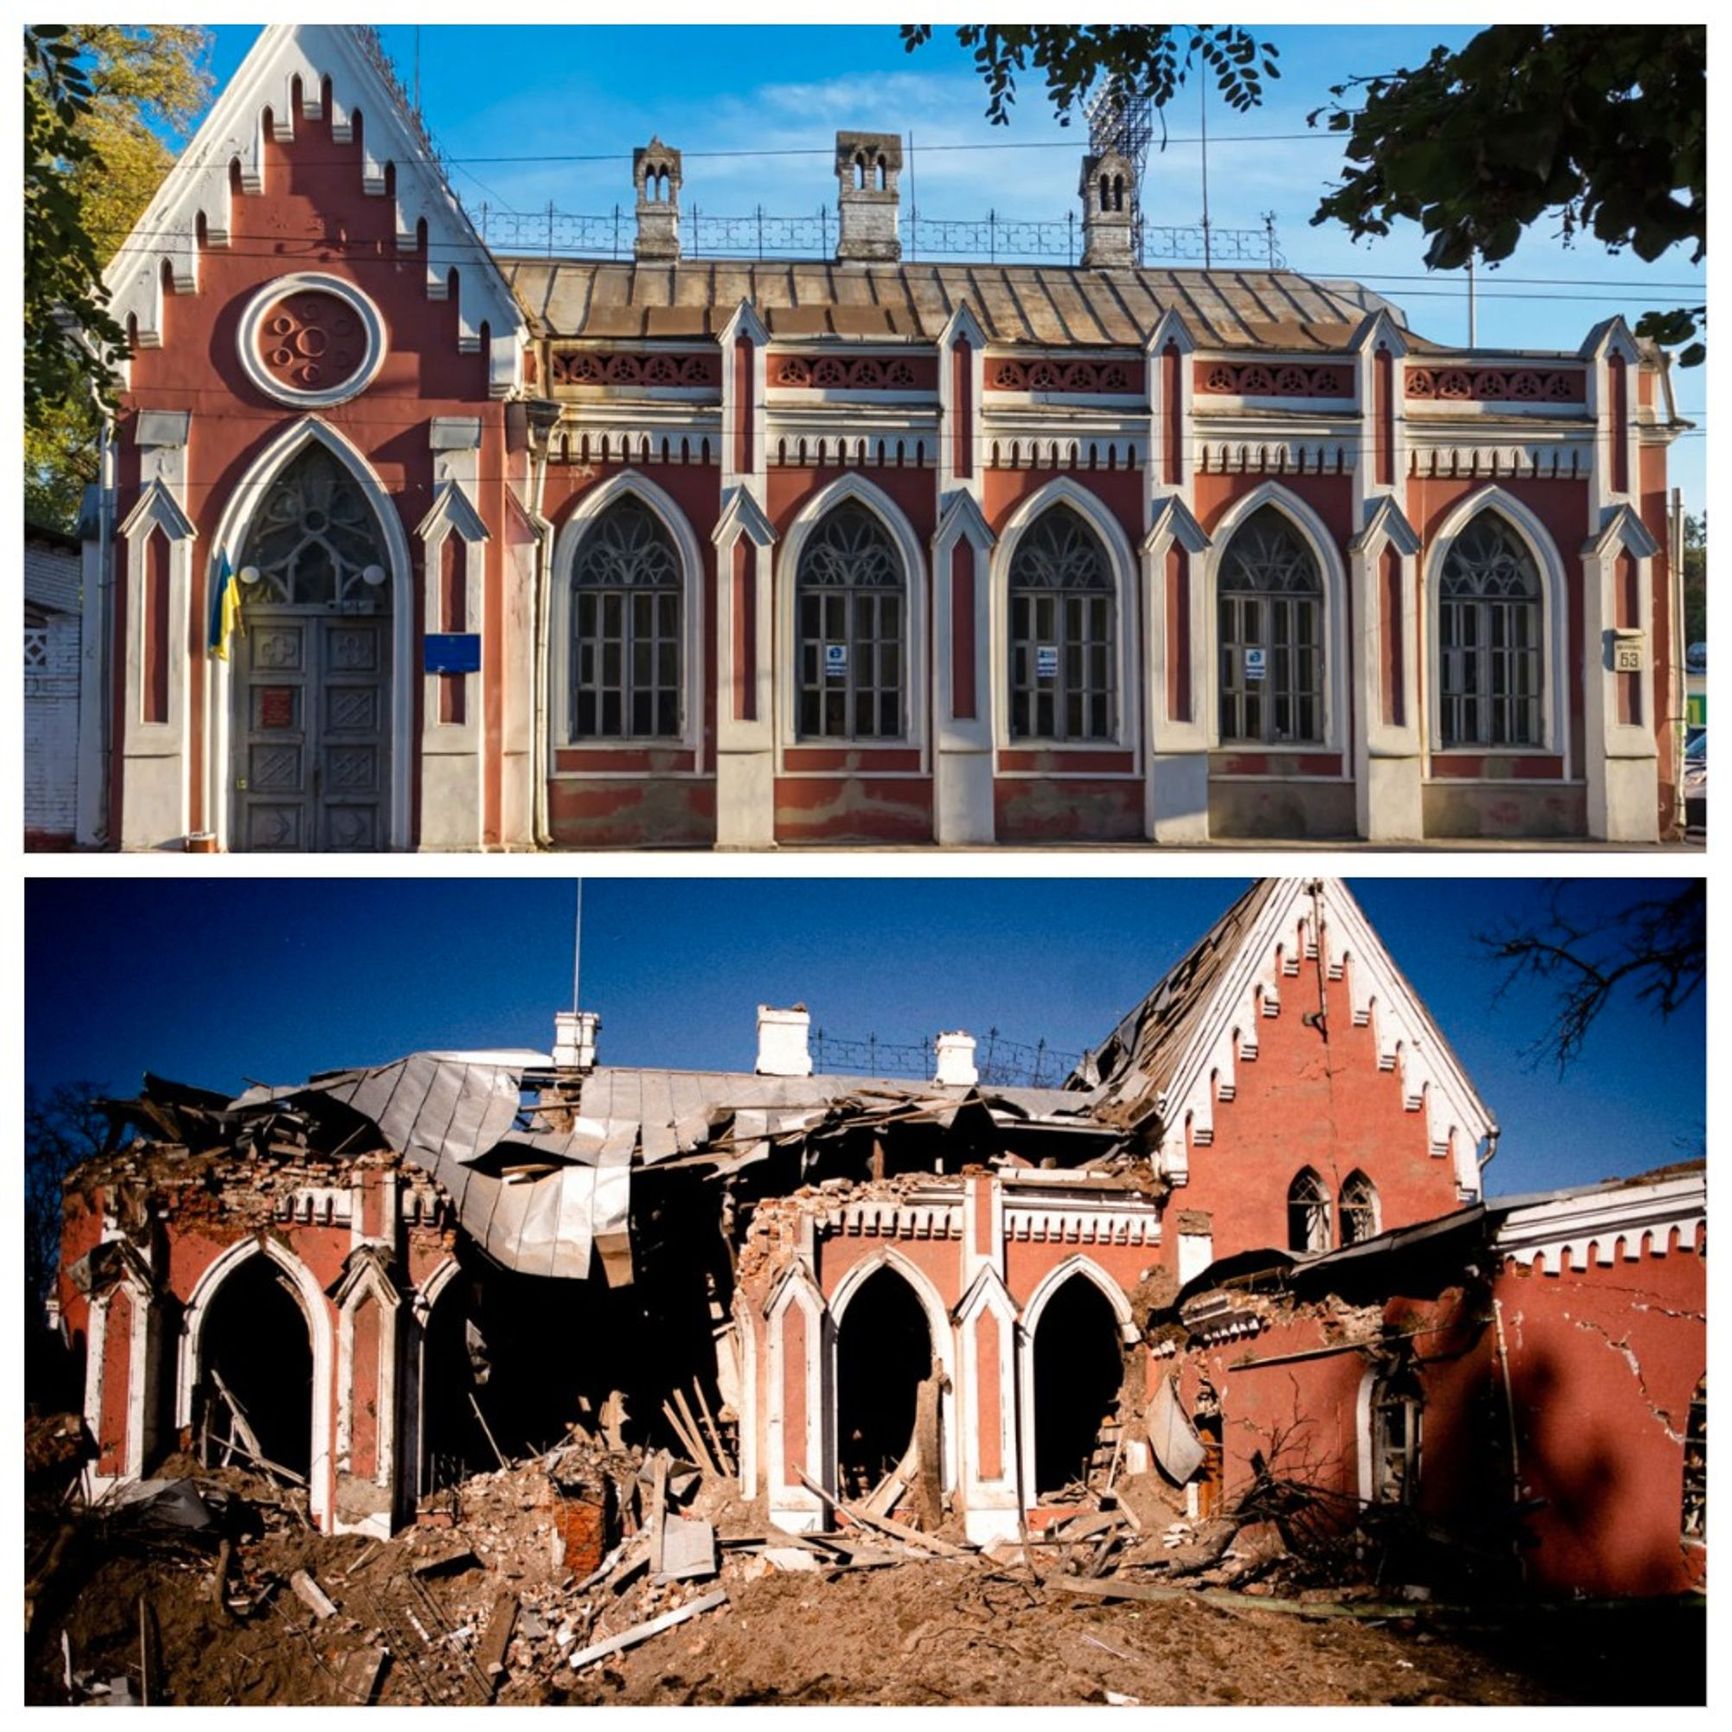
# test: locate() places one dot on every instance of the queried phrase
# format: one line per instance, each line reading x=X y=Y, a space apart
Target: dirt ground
x=413 y=1616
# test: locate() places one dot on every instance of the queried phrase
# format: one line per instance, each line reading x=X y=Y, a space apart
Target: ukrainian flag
x=225 y=610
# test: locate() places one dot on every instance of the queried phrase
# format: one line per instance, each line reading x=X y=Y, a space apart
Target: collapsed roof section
x=1160 y=1066
x=538 y=1162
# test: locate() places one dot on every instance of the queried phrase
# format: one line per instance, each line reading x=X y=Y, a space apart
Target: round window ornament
x=373 y=575
x=311 y=340
x=248 y=574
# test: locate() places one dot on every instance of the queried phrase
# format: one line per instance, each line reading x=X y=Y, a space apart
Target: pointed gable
x=292 y=72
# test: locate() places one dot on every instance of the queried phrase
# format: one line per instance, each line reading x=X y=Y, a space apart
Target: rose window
x=312 y=341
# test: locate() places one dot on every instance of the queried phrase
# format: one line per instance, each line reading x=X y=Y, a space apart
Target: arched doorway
x=312 y=694
x=256 y=1371
x=883 y=1354
x=453 y=1369
x=1078 y=1370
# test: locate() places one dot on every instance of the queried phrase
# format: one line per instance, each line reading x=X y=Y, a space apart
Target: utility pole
x=1472 y=305
x=1203 y=110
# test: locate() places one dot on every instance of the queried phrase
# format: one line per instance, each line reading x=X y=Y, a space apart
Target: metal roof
x=1056 y=306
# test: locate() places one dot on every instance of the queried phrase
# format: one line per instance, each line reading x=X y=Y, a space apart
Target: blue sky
x=563 y=91
x=235 y=980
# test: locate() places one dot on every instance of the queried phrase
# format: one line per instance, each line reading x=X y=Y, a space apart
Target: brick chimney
x=655 y=172
x=782 y=1048
x=868 y=166
x=574 y=1033
x=956 y=1065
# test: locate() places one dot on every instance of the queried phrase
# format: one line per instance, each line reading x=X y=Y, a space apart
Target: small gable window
x=1358 y=1209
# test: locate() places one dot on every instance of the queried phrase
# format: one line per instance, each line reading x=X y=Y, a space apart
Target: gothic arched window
x=315 y=541
x=1307 y=1213
x=1490 y=667
x=849 y=595
x=625 y=643
x=1063 y=632
x=1397 y=1408
x=1271 y=629
x=1358 y=1209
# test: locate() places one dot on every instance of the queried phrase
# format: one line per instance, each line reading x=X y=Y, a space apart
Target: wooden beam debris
x=642 y=1632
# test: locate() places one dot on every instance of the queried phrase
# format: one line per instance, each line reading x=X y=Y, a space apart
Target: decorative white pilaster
x=986 y=1323
x=368 y=1495
x=1176 y=787
x=451 y=751
x=745 y=689
x=156 y=773
x=1622 y=757
x=1388 y=782
x=797 y=1325
x=962 y=684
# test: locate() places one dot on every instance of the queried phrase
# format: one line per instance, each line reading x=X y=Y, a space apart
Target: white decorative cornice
x=452 y=512
x=1623 y=531
x=1385 y=521
x=1172 y=521
x=158 y=509
x=742 y=515
x=1643 y=1216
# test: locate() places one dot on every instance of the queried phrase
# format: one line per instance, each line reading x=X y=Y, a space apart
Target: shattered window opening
x=1397 y=1408
x=1307 y=1214
x=1078 y=1373
x=256 y=1372
x=1695 y=1524
x=1358 y=1209
x=883 y=1354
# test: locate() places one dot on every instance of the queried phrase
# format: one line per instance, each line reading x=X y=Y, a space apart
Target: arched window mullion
x=1271 y=643
x=1063 y=634
x=1491 y=667
x=626 y=651
x=851 y=629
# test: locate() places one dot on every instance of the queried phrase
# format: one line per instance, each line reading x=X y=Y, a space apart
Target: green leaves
x=1601 y=126
x=1145 y=59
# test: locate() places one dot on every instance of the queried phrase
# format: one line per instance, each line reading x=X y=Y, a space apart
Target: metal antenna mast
x=577 y=952
x=1124 y=122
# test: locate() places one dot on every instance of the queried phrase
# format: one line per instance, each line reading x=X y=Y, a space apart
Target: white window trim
x=943 y=1352
x=557 y=650
x=1124 y=566
x=914 y=637
x=1554 y=625
x=314 y=1307
x=220 y=688
x=1050 y=1283
x=1333 y=572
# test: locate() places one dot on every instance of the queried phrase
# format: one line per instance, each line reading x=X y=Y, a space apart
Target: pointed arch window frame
x=916 y=664
x=1554 y=628
x=1332 y=571
x=557 y=649
x=1124 y=566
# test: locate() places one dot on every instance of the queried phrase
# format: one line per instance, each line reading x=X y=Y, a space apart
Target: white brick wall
x=51 y=724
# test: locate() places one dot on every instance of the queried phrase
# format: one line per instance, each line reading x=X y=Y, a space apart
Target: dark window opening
x=1358 y=1209
x=1078 y=1371
x=255 y=1346
x=1307 y=1214
x=883 y=1354
x=1396 y=1411
x=454 y=1370
x=1695 y=1523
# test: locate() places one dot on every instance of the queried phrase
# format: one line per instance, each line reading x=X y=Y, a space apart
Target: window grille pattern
x=625 y=652
x=1063 y=632
x=1358 y=1209
x=1488 y=628
x=850 y=603
x=314 y=538
x=1307 y=1214
x=1397 y=1409
x=35 y=647
x=1271 y=634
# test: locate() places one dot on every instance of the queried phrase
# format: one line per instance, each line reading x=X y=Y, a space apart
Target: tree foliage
x=105 y=107
x=1143 y=59
x=1695 y=564
x=61 y=1128
x=1654 y=949
x=1601 y=127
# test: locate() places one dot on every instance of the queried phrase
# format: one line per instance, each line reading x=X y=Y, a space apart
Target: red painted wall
x=1307 y=1100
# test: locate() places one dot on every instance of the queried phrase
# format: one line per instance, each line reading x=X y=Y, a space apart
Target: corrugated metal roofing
x=1044 y=305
